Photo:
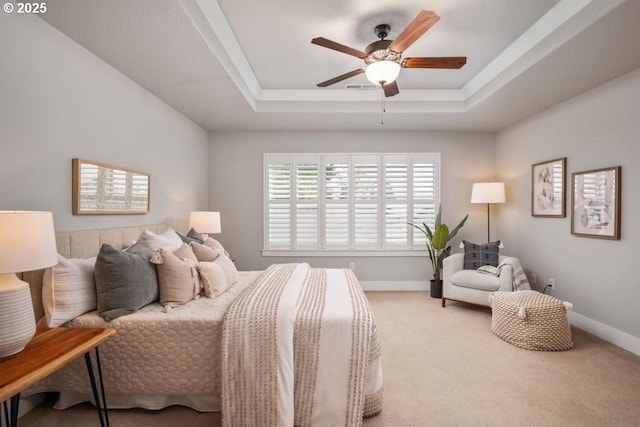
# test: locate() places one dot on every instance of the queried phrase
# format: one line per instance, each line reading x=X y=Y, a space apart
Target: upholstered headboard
x=85 y=244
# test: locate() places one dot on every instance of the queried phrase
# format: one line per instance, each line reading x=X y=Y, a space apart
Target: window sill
x=342 y=253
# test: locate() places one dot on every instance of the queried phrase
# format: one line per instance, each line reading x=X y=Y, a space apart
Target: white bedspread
x=300 y=348
x=157 y=358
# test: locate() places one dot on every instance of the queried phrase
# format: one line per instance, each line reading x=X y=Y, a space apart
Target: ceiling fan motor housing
x=379 y=51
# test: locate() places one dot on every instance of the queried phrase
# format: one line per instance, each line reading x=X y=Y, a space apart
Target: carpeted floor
x=444 y=367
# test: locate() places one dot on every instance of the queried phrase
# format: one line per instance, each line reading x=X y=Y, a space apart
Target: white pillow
x=68 y=290
x=213 y=278
x=168 y=240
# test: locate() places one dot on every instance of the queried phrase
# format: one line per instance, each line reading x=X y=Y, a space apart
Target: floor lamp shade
x=27 y=242
x=488 y=192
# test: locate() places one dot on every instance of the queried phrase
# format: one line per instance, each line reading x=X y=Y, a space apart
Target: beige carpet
x=444 y=367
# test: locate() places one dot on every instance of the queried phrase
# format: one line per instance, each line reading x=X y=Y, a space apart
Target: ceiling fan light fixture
x=382 y=71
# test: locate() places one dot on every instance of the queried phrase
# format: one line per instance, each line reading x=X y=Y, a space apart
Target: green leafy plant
x=437 y=241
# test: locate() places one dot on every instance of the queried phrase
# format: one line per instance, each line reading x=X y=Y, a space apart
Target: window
x=333 y=203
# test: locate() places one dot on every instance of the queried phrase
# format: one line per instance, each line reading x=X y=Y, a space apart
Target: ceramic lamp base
x=17 y=320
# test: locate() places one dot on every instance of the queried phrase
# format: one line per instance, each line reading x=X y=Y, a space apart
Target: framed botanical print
x=596 y=204
x=548 y=188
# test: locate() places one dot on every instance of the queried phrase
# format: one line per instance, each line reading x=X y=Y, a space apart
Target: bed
x=257 y=352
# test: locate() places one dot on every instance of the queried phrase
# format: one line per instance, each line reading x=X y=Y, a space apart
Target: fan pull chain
x=383 y=109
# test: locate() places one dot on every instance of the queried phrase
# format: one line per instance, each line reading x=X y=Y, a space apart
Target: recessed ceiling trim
x=562 y=22
x=225 y=47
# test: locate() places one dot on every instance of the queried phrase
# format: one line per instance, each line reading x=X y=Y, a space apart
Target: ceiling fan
x=384 y=57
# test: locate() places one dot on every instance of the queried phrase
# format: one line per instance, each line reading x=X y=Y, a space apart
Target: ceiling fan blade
x=416 y=28
x=321 y=41
x=439 y=62
x=391 y=89
x=342 y=77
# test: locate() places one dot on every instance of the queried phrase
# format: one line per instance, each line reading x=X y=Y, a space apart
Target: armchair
x=469 y=285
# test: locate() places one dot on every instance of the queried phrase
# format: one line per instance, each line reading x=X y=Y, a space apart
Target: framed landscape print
x=595 y=203
x=548 y=188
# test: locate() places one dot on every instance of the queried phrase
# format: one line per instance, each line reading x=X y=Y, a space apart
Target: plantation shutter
x=306 y=206
x=340 y=202
x=366 y=185
x=336 y=207
x=279 y=202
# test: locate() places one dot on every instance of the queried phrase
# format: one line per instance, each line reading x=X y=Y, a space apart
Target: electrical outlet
x=534 y=278
x=352 y=266
x=552 y=283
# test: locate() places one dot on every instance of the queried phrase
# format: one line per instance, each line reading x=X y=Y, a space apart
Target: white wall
x=235 y=189
x=597 y=129
x=59 y=101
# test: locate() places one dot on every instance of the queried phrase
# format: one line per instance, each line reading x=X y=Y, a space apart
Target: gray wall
x=235 y=189
x=59 y=101
x=598 y=129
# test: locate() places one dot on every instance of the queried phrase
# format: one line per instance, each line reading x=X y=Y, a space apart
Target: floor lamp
x=488 y=192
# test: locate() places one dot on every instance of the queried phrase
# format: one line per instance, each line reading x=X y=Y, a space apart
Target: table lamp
x=27 y=242
x=205 y=222
x=488 y=192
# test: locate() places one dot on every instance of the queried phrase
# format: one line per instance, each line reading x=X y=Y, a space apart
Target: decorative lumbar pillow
x=229 y=269
x=205 y=253
x=149 y=242
x=68 y=290
x=213 y=278
x=178 y=278
x=476 y=255
x=125 y=282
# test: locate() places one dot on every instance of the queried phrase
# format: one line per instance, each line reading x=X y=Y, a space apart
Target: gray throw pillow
x=193 y=234
x=476 y=255
x=125 y=282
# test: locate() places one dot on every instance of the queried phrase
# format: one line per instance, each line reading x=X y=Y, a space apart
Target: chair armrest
x=450 y=265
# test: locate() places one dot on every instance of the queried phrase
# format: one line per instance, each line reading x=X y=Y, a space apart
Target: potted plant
x=438 y=249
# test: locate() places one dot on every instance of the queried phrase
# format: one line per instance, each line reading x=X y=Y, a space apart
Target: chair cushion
x=474 y=280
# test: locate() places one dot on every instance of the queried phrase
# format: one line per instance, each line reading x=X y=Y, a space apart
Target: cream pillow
x=214 y=244
x=178 y=279
x=204 y=253
x=213 y=278
x=229 y=269
x=68 y=290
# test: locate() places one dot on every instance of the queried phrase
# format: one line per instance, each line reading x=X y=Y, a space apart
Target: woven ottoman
x=531 y=320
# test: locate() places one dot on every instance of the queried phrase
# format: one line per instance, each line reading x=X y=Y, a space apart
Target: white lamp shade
x=27 y=241
x=488 y=192
x=205 y=222
x=382 y=71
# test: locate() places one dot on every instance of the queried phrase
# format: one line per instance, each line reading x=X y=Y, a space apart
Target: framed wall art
x=548 y=188
x=596 y=204
x=101 y=189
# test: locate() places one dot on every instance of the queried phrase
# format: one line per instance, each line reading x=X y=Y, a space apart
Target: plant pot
x=435 y=289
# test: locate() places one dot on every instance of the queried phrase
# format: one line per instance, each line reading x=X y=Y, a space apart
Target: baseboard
x=614 y=336
x=388 y=285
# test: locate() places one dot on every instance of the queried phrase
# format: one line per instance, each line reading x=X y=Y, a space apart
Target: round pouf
x=531 y=320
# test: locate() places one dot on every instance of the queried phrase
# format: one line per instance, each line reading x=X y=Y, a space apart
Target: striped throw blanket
x=300 y=348
x=519 y=281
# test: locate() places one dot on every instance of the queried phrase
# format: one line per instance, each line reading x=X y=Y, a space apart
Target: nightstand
x=48 y=351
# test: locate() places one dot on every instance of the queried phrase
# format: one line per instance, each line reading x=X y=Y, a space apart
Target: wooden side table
x=48 y=351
